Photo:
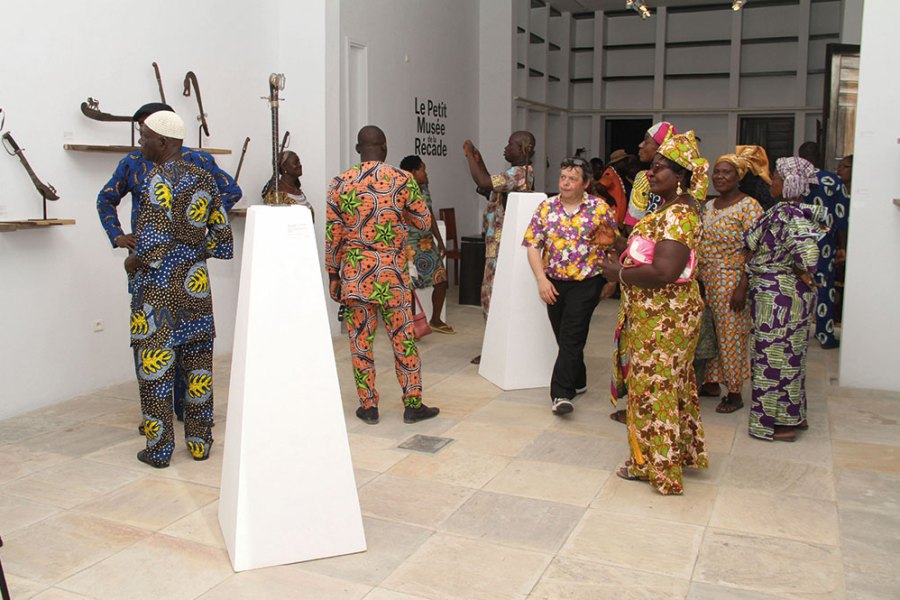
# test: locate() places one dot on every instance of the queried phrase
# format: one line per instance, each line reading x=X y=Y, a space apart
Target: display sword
x=241 y=162
x=47 y=191
x=162 y=93
x=191 y=79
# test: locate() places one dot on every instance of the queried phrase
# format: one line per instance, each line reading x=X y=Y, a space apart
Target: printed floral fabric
x=426 y=255
x=567 y=241
x=830 y=194
x=514 y=179
x=655 y=343
x=130 y=176
x=781 y=305
x=642 y=201
x=181 y=223
x=369 y=209
x=721 y=268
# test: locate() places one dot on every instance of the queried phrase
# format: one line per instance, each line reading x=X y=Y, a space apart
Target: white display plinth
x=288 y=491
x=424 y=294
x=519 y=348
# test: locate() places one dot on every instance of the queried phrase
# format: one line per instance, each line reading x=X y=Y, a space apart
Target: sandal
x=624 y=474
x=619 y=416
x=443 y=329
x=784 y=434
x=726 y=406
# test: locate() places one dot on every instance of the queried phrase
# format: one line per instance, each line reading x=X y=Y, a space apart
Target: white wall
x=425 y=49
x=57 y=282
x=871 y=326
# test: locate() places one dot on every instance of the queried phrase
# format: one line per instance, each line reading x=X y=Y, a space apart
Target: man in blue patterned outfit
x=128 y=179
x=828 y=192
x=181 y=223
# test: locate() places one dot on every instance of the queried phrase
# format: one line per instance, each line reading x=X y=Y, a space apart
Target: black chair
x=448 y=216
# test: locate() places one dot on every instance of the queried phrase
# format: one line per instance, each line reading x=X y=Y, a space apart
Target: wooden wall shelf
x=33 y=224
x=127 y=149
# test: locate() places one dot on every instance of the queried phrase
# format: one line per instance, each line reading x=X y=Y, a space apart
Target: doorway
x=624 y=134
x=774 y=133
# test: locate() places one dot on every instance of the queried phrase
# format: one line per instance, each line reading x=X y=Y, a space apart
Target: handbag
x=421 y=328
x=640 y=251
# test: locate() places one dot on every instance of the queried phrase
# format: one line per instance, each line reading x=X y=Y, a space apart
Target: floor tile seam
x=400 y=521
x=59 y=582
x=80 y=511
x=609 y=563
x=776 y=495
x=74 y=506
x=551 y=552
x=496 y=544
x=620 y=512
x=807 y=541
x=647 y=518
x=9 y=532
x=67 y=459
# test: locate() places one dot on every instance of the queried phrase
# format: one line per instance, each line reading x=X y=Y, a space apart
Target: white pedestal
x=519 y=348
x=288 y=491
x=424 y=294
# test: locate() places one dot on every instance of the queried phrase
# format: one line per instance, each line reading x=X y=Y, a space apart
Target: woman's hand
x=608 y=289
x=739 y=295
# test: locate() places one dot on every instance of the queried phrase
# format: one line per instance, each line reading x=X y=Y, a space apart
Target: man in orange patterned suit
x=368 y=210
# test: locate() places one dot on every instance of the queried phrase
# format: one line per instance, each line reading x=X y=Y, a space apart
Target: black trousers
x=570 y=318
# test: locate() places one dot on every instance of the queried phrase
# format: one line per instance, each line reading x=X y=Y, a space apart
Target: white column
x=288 y=492
x=871 y=327
x=519 y=349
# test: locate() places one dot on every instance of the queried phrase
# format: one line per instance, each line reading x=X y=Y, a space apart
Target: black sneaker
x=144 y=457
x=369 y=415
x=581 y=390
x=562 y=406
x=414 y=415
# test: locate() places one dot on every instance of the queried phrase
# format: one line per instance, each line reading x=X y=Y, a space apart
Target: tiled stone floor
x=520 y=504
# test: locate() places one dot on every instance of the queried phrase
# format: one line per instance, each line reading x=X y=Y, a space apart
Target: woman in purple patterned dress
x=782 y=301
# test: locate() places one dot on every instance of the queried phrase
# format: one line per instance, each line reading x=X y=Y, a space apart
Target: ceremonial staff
x=162 y=93
x=191 y=79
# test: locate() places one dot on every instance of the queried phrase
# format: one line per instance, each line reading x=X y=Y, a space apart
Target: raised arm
x=477 y=169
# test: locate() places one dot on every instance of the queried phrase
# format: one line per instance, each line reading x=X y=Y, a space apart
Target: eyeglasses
x=574 y=162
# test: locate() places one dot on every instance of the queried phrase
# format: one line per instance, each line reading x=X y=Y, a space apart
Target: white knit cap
x=166 y=123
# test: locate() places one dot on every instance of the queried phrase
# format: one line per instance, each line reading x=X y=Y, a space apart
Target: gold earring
x=679 y=190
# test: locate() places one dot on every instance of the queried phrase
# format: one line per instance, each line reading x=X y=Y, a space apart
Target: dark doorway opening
x=774 y=133
x=624 y=134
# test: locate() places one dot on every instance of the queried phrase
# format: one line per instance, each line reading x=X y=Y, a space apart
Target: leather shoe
x=144 y=457
x=368 y=415
x=414 y=415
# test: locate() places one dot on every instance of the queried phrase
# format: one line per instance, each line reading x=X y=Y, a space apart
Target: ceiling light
x=738 y=5
x=639 y=6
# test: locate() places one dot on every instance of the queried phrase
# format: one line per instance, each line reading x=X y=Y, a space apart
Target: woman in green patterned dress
x=659 y=323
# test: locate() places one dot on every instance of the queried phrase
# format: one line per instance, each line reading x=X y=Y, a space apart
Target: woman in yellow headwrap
x=725 y=220
x=659 y=322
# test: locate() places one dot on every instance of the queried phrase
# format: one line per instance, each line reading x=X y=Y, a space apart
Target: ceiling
x=577 y=6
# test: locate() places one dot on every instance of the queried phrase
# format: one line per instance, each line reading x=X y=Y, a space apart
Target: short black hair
x=148 y=109
x=411 y=163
